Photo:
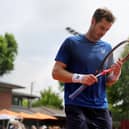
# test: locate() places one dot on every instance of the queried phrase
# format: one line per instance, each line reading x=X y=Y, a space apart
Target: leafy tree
x=49 y=98
x=119 y=93
x=61 y=86
x=8 y=52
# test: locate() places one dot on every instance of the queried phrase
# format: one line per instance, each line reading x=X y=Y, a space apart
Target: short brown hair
x=101 y=13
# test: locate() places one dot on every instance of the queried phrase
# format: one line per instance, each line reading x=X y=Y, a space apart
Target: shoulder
x=106 y=44
x=74 y=38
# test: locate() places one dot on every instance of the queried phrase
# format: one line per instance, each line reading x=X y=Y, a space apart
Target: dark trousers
x=87 y=118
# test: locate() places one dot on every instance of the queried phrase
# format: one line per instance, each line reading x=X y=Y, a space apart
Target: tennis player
x=76 y=63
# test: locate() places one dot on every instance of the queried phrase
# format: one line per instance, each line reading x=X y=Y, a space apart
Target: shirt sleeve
x=63 y=54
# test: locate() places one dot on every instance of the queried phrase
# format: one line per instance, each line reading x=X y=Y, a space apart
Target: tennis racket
x=101 y=70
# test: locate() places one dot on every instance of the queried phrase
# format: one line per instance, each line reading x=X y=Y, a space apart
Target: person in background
x=33 y=127
x=44 y=127
x=76 y=63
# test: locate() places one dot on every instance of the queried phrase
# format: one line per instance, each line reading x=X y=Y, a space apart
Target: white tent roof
x=6 y=117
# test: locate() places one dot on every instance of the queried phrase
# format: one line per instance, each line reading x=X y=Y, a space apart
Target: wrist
x=114 y=77
x=77 y=78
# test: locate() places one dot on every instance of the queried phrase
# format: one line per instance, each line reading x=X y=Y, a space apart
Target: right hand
x=89 y=79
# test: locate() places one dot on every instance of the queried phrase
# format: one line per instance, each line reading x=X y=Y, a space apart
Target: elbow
x=57 y=71
x=54 y=74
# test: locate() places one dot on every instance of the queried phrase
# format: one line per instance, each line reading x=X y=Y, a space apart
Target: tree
x=49 y=98
x=61 y=86
x=8 y=52
x=118 y=94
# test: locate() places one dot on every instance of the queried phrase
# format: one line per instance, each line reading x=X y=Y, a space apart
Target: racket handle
x=82 y=87
x=77 y=92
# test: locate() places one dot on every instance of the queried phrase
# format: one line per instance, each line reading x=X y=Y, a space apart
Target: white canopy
x=6 y=117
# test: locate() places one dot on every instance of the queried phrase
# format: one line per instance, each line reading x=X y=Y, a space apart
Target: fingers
x=89 y=79
x=116 y=68
x=117 y=65
x=120 y=63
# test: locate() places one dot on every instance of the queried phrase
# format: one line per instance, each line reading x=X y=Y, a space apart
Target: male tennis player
x=76 y=63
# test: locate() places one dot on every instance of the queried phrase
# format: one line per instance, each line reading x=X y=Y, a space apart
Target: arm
x=60 y=73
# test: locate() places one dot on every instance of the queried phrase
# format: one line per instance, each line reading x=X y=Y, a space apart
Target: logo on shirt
x=103 y=51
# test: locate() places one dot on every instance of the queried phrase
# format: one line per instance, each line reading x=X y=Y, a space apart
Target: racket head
x=122 y=46
x=118 y=52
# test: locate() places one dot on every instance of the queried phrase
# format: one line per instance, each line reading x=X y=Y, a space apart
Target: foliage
x=61 y=86
x=25 y=103
x=118 y=94
x=50 y=99
x=8 y=52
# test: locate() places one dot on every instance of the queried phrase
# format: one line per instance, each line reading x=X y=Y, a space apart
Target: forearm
x=62 y=75
x=110 y=82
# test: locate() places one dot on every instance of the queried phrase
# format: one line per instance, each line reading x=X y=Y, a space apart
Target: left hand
x=116 y=69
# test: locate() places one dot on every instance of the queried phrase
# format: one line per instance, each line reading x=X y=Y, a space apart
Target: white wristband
x=77 y=78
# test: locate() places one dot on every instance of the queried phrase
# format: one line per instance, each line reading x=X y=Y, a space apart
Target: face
x=98 y=30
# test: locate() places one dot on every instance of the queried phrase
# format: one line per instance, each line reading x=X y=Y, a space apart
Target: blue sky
x=39 y=28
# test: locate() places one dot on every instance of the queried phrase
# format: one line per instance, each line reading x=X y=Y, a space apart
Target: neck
x=89 y=37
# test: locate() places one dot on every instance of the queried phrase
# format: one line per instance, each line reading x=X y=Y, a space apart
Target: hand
x=116 y=69
x=89 y=79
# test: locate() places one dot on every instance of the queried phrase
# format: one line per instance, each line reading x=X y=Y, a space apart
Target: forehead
x=104 y=23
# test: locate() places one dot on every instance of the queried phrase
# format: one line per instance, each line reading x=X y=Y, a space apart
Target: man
x=76 y=63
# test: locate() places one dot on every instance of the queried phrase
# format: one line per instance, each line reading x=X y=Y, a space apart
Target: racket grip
x=77 y=92
x=82 y=87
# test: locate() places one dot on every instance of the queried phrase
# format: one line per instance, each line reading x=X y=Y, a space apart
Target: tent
x=45 y=116
x=27 y=116
x=6 y=117
x=7 y=114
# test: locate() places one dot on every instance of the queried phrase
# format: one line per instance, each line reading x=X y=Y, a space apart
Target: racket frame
x=101 y=72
